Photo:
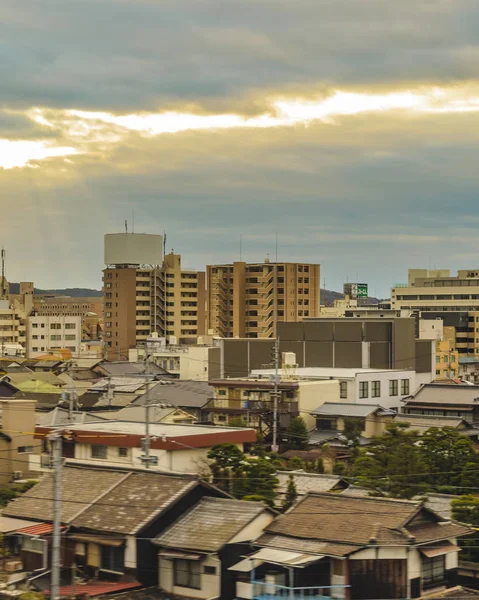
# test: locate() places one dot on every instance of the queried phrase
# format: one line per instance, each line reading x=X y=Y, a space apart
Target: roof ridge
x=368 y=498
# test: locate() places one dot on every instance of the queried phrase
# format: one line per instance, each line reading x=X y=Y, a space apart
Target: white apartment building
x=49 y=333
x=385 y=387
x=12 y=329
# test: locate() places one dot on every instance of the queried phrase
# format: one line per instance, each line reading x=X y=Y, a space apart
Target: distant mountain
x=74 y=292
x=329 y=296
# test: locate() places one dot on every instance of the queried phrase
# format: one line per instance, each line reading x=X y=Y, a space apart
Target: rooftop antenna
x=133 y=221
x=126 y=226
x=241 y=248
x=164 y=243
x=4 y=291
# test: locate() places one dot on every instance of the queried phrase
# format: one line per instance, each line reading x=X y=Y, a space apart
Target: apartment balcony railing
x=263 y=590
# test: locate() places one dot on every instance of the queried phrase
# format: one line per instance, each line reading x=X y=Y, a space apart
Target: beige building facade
x=140 y=300
x=437 y=291
x=244 y=299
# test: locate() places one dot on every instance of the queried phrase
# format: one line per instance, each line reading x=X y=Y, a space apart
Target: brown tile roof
x=361 y=521
x=80 y=487
x=211 y=524
x=134 y=502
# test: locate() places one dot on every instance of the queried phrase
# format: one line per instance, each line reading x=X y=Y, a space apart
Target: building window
x=210 y=570
x=35 y=545
x=364 y=389
x=375 y=389
x=393 y=387
x=438 y=372
x=35 y=325
x=433 y=570
x=404 y=387
x=55 y=338
x=438 y=358
x=70 y=337
x=25 y=449
x=123 y=452
x=55 y=326
x=187 y=573
x=98 y=451
x=221 y=392
x=112 y=558
x=70 y=325
x=343 y=389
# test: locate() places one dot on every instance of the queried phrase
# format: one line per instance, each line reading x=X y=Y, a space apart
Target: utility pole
x=145 y=458
x=56 y=440
x=274 y=446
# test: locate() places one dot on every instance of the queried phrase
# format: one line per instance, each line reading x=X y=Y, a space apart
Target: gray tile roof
x=59 y=416
x=80 y=488
x=349 y=409
x=101 y=499
x=440 y=504
x=358 y=521
x=307 y=482
x=423 y=422
x=193 y=394
x=134 y=502
x=445 y=394
x=127 y=368
x=211 y=524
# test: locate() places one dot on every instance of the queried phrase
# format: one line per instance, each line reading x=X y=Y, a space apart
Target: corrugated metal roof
x=285 y=557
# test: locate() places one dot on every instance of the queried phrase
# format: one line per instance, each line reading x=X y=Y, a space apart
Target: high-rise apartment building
x=244 y=299
x=67 y=306
x=144 y=294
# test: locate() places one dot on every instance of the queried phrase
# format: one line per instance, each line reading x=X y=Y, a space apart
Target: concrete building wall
x=52 y=333
x=210 y=583
x=18 y=422
x=313 y=394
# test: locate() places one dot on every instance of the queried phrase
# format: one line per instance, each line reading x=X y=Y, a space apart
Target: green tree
x=297 y=434
x=291 y=494
x=352 y=432
x=256 y=477
x=445 y=453
x=295 y=463
x=393 y=463
x=466 y=510
x=226 y=461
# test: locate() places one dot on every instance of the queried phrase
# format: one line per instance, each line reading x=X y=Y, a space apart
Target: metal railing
x=263 y=590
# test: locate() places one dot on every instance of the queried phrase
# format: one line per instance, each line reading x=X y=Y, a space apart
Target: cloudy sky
x=349 y=127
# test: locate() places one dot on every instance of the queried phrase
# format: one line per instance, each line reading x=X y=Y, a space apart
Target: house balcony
x=264 y=590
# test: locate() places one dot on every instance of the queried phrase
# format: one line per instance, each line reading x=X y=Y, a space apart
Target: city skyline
x=350 y=131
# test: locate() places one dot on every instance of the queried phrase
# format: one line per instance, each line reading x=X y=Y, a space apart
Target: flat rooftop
x=326 y=372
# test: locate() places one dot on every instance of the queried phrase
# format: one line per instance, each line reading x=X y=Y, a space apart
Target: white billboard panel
x=133 y=249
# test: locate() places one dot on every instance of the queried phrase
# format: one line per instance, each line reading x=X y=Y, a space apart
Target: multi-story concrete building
x=70 y=306
x=144 y=294
x=184 y=301
x=437 y=291
x=244 y=299
x=47 y=334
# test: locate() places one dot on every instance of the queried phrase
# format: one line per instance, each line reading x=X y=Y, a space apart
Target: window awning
x=245 y=566
x=97 y=539
x=285 y=557
x=439 y=549
x=178 y=554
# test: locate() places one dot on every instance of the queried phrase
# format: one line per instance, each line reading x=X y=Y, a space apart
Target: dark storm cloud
x=114 y=54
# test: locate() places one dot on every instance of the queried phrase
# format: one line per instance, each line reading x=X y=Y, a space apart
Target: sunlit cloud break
x=290 y=112
x=18 y=153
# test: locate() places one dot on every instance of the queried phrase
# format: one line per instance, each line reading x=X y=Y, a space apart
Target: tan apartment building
x=447 y=360
x=144 y=294
x=185 y=301
x=243 y=299
x=437 y=291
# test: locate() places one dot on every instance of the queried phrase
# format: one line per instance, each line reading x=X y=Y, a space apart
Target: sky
x=348 y=129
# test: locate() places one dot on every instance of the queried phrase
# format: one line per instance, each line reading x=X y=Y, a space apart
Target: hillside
x=14 y=288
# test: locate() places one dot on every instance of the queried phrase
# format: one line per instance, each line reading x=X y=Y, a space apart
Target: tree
x=291 y=493
x=227 y=459
x=256 y=477
x=297 y=434
x=393 y=463
x=466 y=510
x=445 y=453
x=352 y=432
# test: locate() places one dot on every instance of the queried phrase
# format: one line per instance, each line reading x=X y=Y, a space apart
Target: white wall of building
x=50 y=333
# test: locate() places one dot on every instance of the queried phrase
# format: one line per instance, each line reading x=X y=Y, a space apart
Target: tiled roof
x=181 y=393
x=308 y=482
x=440 y=504
x=80 y=487
x=445 y=394
x=210 y=524
x=457 y=593
x=360 y=521
x=349 y=409
x=422 y=422
x=134 y=502
x=60 y=416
